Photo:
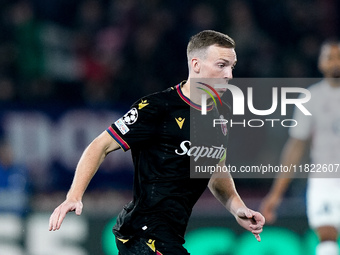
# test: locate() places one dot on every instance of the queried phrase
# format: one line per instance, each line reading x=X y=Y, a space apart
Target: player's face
x=218 y=63
x=330 y=61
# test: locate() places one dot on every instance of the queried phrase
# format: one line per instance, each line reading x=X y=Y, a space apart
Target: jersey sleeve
x=138 y=125
x=304 y=128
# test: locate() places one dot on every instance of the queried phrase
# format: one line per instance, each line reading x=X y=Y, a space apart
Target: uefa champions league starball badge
x=130 y=117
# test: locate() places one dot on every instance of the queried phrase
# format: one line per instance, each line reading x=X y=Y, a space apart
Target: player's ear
x=195 y=65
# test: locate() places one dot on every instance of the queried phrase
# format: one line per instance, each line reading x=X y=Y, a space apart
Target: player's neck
x=334 y=82
x=186 y=89
x=195 y=98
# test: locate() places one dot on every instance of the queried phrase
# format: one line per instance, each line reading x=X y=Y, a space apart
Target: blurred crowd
x=111 y=52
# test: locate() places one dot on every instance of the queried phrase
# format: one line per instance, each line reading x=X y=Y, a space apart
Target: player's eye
x=221 y=65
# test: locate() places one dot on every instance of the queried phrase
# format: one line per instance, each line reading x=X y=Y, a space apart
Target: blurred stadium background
x=69 y=68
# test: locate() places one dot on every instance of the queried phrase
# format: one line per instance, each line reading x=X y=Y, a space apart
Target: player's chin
x=221 y=92
x=335 y=73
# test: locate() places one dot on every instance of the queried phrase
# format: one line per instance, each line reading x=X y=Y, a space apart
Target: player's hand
x=60 y=212
x=251 y=221
x=269 y=206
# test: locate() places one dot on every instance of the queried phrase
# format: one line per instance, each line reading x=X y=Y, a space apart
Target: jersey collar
x=187 y=100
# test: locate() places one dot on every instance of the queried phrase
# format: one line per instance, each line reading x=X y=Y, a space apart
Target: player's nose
x=228 y=75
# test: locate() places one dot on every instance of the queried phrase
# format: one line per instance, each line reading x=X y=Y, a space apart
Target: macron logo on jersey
x=200 y=151
x=142 y=104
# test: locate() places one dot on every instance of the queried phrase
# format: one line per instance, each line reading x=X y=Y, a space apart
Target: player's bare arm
x=87 y=166
x=292 y=154
x=223 y=188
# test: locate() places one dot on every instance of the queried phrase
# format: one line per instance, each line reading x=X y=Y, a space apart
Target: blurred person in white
x=14 y=197
x=321 y=132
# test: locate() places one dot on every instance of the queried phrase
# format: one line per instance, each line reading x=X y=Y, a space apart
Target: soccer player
x=323 y=129
x=166 y=133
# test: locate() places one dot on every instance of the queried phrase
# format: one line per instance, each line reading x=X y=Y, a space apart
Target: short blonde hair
x=201 y=41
